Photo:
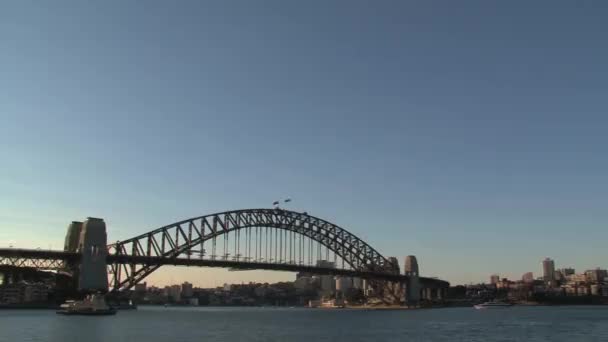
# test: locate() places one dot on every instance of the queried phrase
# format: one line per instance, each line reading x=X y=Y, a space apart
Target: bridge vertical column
x=92 y=247
x=412 y=294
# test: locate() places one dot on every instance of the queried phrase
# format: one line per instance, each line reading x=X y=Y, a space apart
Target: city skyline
x=444 y=132
x=289 y=276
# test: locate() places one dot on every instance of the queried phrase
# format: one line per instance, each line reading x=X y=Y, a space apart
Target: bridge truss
x=38 y=259
x=287 y=239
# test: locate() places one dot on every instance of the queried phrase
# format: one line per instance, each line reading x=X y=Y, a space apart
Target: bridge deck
x=16 y=256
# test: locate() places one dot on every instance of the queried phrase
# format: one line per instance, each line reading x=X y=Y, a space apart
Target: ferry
x=92 y=305
x=492 y=305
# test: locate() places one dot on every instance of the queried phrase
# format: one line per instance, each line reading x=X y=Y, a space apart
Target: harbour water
x=156 y=324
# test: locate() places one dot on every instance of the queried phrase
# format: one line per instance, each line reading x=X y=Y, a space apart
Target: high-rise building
x=528 y=277
x=549 y=271
x=494 y=279
x=187 y=290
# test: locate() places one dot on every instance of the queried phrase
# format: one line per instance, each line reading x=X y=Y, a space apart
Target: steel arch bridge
x=284 y=238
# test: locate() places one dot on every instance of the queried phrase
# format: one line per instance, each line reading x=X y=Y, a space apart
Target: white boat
x=492 y=305
x=327 y=304
x=92 y=305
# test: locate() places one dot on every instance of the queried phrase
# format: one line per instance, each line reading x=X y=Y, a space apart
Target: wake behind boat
x=92 y=305
x=492 y=305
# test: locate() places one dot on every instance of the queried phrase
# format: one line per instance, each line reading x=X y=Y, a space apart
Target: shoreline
x=29 y=307
x=48 y=306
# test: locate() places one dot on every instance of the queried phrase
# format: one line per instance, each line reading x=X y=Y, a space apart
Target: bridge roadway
x=53 y=259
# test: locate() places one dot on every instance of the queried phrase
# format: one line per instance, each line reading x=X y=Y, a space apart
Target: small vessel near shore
x=124 y=306
x=92 y=305
x=327 y=304
x=492 y=305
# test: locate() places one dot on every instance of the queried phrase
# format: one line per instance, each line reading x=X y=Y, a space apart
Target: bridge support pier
x=412 y=287
x=91 y=244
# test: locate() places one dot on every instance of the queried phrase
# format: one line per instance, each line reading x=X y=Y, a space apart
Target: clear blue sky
x=471 y=134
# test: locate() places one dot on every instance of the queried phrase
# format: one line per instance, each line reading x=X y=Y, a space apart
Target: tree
x=354 y=296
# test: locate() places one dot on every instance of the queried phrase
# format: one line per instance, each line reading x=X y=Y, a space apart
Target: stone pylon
x=92 y=273
x=412 y=287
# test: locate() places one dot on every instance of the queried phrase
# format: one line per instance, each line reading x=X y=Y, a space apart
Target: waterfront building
x=504 y=284
x=494 y=279
x=187 y=290
x=577 y=278
x=582 y=290
x=141 y=287
x=596 y=276
x=23 y=292
x=37 y=292
x=173 y=292
x=11 y=294
x=261 y=291
x=569 y=290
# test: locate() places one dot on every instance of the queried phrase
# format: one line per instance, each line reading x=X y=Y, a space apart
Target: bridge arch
x=183 y=237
